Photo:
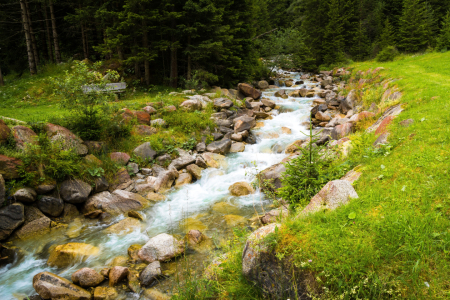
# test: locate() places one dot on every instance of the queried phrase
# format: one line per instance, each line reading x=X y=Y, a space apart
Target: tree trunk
x=145 y=44
x=83 y=37
x=120 y=53
x=47 y=30
x=173 y=60
x=188 y=76
x=2 y=83
x=31 y=62
x=137 y=70
x=33 y=37
x=55 y=33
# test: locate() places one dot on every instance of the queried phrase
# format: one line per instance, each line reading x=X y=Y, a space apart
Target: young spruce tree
x=387 y=37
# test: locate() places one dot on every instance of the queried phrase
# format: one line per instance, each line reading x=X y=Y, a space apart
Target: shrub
x=387 y=54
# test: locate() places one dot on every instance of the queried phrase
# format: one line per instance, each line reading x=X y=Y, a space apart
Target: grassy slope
x=399 y=242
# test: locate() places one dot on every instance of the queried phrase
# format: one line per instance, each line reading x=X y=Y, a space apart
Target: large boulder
x=270 y=178
x=25 y=195
x=87 y=277
x=115 y=203
x=9 y=167
x=24 y=135
x=4 y=132
x=241 y=189
x=65 y=139
x=75 y=191
x=51 y=206
x=268 y=103
x=145 y=151
x=220 y=103
x=65 y=255
x=249 y=91
x=150 y=273
x=237 y=147
x=334 y=194
x=51 y=286
x=161 y=247
x=220 y=147
x=191 y=105
x=11 y=217
x=243 y=123
x=182 y=162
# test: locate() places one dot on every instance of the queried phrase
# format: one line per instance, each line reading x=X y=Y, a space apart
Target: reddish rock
x=65 y=138
x=142 y=117
x=382 y=128
x=145 y=130
x=24 y=135
x=117 y=274
x=4 y=132
x=119 y=157
x=149 y=109
x=341 y=131
x=9 y=167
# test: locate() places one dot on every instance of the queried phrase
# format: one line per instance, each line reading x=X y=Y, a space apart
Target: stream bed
x=201 y=205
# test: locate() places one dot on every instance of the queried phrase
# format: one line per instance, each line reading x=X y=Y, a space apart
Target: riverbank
x=391 y=242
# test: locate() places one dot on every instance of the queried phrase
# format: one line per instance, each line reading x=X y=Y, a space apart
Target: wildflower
x=310 y=260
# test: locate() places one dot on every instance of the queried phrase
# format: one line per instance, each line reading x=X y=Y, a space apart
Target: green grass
x=398 y=244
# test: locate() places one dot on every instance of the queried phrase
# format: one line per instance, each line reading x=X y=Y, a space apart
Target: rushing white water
x=193 y=200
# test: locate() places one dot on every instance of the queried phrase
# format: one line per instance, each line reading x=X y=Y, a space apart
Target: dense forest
x=176 y=42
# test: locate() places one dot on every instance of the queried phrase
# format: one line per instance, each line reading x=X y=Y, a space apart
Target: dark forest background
x=171 y=42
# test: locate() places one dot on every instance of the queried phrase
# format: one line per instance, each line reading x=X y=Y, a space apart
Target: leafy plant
x=96 y=172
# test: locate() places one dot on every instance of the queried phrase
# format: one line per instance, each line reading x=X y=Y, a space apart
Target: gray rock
x=51 y=206
x=271 y=177
x=133 y=167
x=225 y=130
x=191 y=105
x=251 y=139
x=146 y=171
x=43 y=189
x=222 y=103
x=217 y=136
x=268 y=103
x=221 y=147
x=25 y=195
x=101 y=184
x=11 y=217
x=158 y=122
x=382 y=139
x=182 y=162
x=219 y=115
x=51 y=286
x=162 y=159
x=150 y=273
x=349 y=102
x=201 y=147
x=226 y=123
x=75 y=191
x=161 y=248
x=333 y=195
x=199 y=161
x=157 y=170
x=243 y=123
x=115 y=203
x=145 y=151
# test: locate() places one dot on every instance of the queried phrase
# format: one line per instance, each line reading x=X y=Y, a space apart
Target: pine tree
x=334 y=35
x=413 y=27
x=361 y=42
x=387 y=37
x=443 y=41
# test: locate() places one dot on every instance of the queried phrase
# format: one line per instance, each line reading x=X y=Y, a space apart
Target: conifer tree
x=334 y=37
x=361 y=42
x=413 y=32
x=387 y=37
x=443 y=41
